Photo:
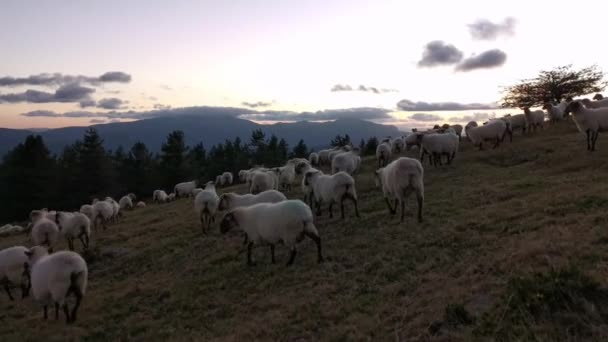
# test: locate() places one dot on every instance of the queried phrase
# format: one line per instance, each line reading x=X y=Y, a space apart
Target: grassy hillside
x=514 y=247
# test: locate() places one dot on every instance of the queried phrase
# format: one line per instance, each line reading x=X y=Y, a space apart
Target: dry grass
x=533 y=206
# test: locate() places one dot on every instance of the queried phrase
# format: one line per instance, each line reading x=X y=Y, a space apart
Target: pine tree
x=300 y=150
x=172 y=160
x=370 y=147
x=96 y=172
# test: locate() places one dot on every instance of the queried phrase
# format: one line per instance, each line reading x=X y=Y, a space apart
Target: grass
x=501 y=226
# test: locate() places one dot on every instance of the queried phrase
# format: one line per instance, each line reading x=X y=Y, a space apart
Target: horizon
x=276 y=61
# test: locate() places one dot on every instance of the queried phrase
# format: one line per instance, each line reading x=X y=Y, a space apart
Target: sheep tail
x=47 y=241
x=205 y=209
x=309 y=227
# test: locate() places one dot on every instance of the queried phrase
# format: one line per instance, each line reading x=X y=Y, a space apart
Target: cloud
x=425 y=117
x=364 y=113
x=57 y=79
x=97 y=121
x=411 y=106
x=160 y=106
x=472 y=117
x=438 y=53
x=484 y=29
x=42 y=113
x=256 y=104
x=485 y=60
x=110 y=103
x=72 y=92
x=87 y=103
x=375 y=90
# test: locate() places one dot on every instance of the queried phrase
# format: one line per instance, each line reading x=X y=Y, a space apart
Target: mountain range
x=208 y=129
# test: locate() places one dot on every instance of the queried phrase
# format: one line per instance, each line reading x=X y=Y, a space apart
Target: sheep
x=140 y=204
x=595 y=104
x=55 y=277
x=514 y=122
x=534 y=119
x=159 y=196
x=88 y=210
x=437 y=145
x=196 y=192
x=494 y=130
x=44 y=230
x=397 y=180
x=262 y=181
x=74 y=225
x=286 y=175
x=9 y=228
x=313 y=158
x=556 y=112
x=397 y=145
x=270 y=223
x=232 y=200
x=227 y=178
x=171 y=197
x=330 y=189
x=306 y=189
x=598 y=96
x=348 y=162
x=589 y=121
x=383 y=154
x=104 y=211
x=411 y=140
x=115 y=208
x=125 y=202
x=14 y=270
x=205 y=205
x=184 y=188
x=324 y=156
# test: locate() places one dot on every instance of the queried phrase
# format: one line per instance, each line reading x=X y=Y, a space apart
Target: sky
x=407 y=63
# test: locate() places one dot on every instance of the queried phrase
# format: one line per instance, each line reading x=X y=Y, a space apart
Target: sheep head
x=229 y=222
x=598 y=97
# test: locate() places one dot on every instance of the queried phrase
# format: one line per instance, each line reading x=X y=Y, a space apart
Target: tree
x=553 y=86
x=300 y=150
x=95 y=166
x=172 y=160
x=370 y=147
x=138 y=174
x=340 y=141
x=362 y=146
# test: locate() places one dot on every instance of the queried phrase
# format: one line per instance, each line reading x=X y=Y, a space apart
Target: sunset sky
x=281 y=56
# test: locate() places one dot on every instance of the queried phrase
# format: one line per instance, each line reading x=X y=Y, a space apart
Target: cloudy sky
x=406 y=63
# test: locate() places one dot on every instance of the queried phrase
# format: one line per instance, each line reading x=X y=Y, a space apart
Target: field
x=514 y=246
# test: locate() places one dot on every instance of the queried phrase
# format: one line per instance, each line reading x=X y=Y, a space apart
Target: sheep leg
x=594 y=140
x=588 y=140
x=331 y=210
x=420 y=199
x=496 y=144
x=318 y=208
x=45 y=311
x=56 y=311
x=390 y=208
x=356 y=206
x=66 y=312
x=403 y=210
x=249 y=249
x=78 y=296
x=342 y=208
x=317 y=241
x=292 y=256
x=8 y=290
x=272 y=260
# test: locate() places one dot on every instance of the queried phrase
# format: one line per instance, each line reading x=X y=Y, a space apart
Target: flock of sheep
x=265 y=215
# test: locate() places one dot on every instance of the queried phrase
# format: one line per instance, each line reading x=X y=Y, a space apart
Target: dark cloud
x=484 y=29
x=472 y=117
x=72 y=92
x=485 y=60
x=346 y=87
x=110 y=103
x=411 y=106
x=87 y=103
x=259 y=104
x=438 y=53
x=42 y=113
x=58 y=79
x=425 y=117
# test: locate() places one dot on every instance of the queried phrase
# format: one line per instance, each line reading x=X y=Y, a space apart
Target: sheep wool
x=205 y=205
x=184 y=189
x=126 y=202
x=347 y=162
x=44 y=231
x=383 y=154
x=397 y=180
x=589 y=121
x=232 y=200
x=330 y=189
x=14 y=270
x=74 y=225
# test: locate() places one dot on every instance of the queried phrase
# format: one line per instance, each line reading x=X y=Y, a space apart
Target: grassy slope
x=528 y=206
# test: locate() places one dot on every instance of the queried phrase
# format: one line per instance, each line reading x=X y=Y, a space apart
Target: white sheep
x=232 y=200
x=171 y=197
x=196 y=192
x=411 y=140
x=227 y=178
x=243 y=175
x=348 y=162
x=534 y=119
x=306 y=188
x=55 y=277
x=330 y=189
x=44 y=230
x=514 y=122
x=595 y=104
x=219 y=181
x=495 y=131
x=74 y=225
x=104 y=211
x=383 y=154
x=556 y=112
x=469 y=125
x=115 y=208
x=313 y=158
x=184 y=188
x=89 y=210
x=270 y=223
x=141 y=204
x=457 y=129
x=324 y=157
x=14 y=270
x=125 y=202
x=589 y=121
x=287 y=175
x=205 y=205
x=262 y=181
x=9 y=228
x=159 y=196
x=438 y=145
x=397 y=180
x=397 y=145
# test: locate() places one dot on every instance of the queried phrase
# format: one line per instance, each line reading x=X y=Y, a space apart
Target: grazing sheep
x=184 y=189
x=232 y=200
x=9 y=228
x=74 y=225
x=330 y=189
x=287 y=175
x=556 y=112
x=397 y=180
x=115 y=208
x=104 y=212
x=313 y=158
x=514 y=122
x=595 y=104
x=493 y=131
x=534 y=119
x=55 y=277
x=262 y=181
x=589 y=121
x=270 y=223
x=227 y=178
x=44 y=230
x=205 y=205
x=171 y=197
x=383 y=154
x=141 y=204
x=14 y=270
x=438 y=145
x=348 y=162
x=160 y=196
x=125 y=203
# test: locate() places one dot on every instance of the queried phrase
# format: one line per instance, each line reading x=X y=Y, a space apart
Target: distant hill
x=208 y=129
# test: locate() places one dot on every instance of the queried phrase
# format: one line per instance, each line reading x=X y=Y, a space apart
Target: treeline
x=31 y=177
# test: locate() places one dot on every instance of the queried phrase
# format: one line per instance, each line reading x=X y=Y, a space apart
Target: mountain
x=208 y=129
